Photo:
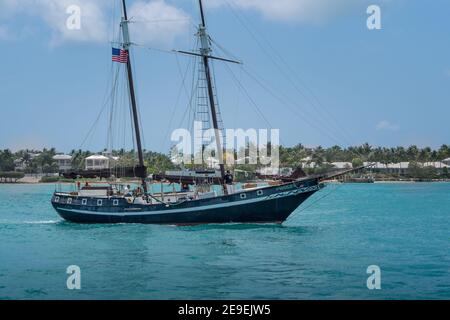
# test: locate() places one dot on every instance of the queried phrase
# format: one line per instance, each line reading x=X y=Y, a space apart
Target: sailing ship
x=270 y=203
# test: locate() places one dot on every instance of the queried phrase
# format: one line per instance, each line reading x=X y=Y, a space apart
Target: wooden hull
x=265 y=205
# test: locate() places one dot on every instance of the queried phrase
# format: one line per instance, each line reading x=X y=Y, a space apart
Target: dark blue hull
x=271 y=205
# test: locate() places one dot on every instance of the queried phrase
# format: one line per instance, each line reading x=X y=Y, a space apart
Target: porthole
x=243 y=195
x=69 y=200
x=115 y=202
x=259 y=192
x=99 y=202
x=84 y=202
x=56 y=199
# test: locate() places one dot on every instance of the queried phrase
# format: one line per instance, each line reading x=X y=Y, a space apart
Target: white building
x=396 y=168
x=212 y=162
x=342 y=165
x=21 y=164
x=64 y=162
x=275 y=171
x=446 y=161
x=308 y=165
x=436 y=164
x=402 y=167
x=97 y=162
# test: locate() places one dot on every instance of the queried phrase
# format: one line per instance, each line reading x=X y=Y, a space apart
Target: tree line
x=293 y=155
x=42 y=160
x=34 y=161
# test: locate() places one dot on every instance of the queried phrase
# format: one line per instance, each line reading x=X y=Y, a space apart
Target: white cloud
x=386 y=125
x=96 y=18
x=315 y=11
x=53 y=13
x=93 y=26
x=156 y=21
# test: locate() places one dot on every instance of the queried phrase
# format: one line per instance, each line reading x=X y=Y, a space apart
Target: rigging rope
x=321 y=109
x=182 y=86
x=319 y=199
x=332 y=124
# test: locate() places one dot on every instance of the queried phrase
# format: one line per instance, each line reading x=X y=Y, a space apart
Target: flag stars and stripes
x=119 y=55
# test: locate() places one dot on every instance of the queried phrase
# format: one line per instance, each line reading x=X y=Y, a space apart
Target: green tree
x=357 y=162
x=44 y=161
x=415 y=170
x=128 y=159
x=413 y=153
x=443 y=152
x=157 y=162
x=11 y=176
x=318 y=156
x=78 y=157
x=445 y=173
x=6 y=160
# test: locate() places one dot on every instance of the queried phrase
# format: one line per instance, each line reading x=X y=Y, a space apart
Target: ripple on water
x=320 y=252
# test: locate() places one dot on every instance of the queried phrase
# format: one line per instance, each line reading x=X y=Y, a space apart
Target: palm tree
x=413 y=153
x=318 y=156
x=26 y=158
x=444 y=152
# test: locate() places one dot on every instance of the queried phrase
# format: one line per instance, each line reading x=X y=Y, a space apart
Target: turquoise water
x=321 y=252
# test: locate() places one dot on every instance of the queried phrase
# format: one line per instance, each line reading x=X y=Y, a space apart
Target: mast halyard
x=140 y=170
x=205 y=51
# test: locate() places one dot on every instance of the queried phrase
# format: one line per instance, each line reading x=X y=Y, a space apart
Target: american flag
x=119 y=55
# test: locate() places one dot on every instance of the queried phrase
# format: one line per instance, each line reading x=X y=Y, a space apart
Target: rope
x=319 y=199
x=286 y=75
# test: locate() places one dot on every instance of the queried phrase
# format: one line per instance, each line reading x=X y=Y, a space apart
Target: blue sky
x=387 y=87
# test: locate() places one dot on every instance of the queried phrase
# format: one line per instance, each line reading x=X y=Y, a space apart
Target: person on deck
x=228 y=178
x=137 y=192
x=126 y=190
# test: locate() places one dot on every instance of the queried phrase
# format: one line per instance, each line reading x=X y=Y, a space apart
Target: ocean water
x=321 y=252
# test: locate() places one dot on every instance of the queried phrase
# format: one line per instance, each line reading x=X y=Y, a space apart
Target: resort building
x=437 y=164
x=402 y=168
x=64 y=162
x=341 y=165
x=98 y=162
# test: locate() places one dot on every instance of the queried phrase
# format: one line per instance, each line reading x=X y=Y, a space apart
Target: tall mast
x=205 y=51
x=141 y=170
